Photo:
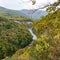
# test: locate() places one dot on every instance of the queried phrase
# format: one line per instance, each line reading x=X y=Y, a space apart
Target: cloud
x=23 y=4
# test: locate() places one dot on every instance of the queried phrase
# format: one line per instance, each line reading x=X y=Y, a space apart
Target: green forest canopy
x=47 y=46
x=13 y=36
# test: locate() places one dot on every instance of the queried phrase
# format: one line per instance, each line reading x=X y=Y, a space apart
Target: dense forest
x=16 y=41
x=13 y=36
x=47 y=46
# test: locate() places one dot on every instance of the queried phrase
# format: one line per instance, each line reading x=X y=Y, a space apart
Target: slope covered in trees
x=13 y=36
x=47 y=46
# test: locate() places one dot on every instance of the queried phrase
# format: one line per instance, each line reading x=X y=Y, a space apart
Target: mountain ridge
x=24 y=12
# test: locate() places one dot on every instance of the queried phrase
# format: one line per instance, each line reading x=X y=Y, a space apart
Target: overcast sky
x=25 y=4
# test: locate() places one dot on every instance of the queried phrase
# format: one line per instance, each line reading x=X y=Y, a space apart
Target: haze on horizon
x=18 y=4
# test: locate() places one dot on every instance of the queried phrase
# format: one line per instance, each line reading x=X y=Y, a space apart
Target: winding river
x=34 y=36
x=30 y=30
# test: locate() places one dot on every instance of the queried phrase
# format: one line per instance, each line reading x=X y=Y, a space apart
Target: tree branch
x=54 y=4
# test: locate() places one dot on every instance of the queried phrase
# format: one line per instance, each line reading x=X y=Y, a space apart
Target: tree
x=51 y=7
x=47 y=46
x=13 y=36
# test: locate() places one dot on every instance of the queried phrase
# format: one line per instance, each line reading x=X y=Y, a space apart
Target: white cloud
x=23 y=4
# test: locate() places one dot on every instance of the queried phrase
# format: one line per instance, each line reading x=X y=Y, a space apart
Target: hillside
x=35 y=15
x=13 y=36
x=47 y=46
x=7 y=12
x=18 y=13
x=29 y=30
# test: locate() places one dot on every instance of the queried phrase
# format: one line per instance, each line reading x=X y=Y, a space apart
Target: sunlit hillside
x=29 y=30
x=47 y=46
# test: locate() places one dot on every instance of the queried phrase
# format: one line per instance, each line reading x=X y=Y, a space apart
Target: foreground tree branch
x=55 y=4
x=51 y=7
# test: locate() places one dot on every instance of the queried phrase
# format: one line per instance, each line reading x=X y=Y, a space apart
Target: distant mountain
x=9 y=12
x=35 y=15
x=27 y=13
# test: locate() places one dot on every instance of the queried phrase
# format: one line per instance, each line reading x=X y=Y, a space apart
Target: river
x=30 y=30
x=33 y=35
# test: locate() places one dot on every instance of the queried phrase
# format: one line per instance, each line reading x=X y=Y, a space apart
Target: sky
x=24 y=4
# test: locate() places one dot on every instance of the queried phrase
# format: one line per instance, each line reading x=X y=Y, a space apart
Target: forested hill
x=11 y=13
x=47 y=46
x=26 y=13
x=13 y=36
